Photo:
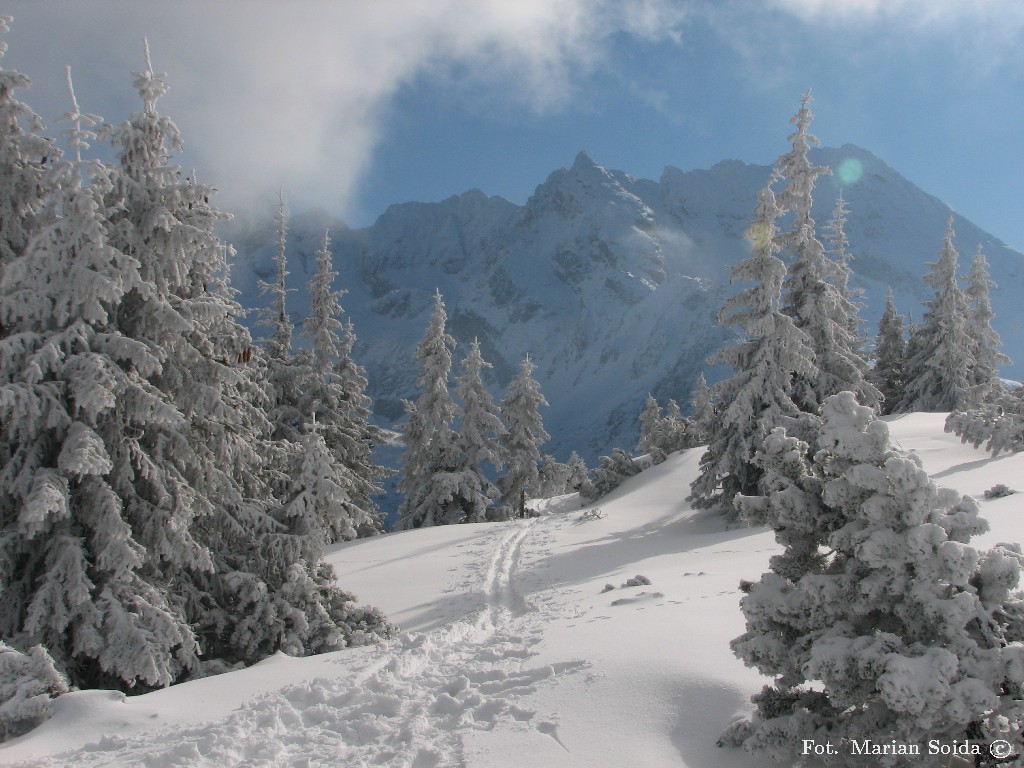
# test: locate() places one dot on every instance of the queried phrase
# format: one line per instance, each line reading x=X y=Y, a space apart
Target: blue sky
x=353 y=106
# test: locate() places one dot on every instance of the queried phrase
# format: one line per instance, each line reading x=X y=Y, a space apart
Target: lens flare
x=849 y=171
x=758 y=235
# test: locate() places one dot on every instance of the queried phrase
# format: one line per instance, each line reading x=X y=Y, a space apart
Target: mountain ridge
x=611 y=283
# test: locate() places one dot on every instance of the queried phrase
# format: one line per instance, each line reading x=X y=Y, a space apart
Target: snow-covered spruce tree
x=479 y=431
x=673 y=432
x=438 y=487
x=878 y=622
x=554 y=477
x=985 y=340
x=95 y=514
x=758 y=397
x=335 y=396
x=702 y=414
x=356 y=449
x=941 y=358
x=849 y=297
x=26 y=160
x=888 y=374
x=650 y=418
x=520 y=412
x=579 y=475
x=322 y=616
x=286 y=372
x=212 y=479
x=811 y=297
x=28 y=682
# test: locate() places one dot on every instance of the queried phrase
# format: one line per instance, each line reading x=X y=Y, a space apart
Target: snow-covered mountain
x=515 y=651
x=610 y=283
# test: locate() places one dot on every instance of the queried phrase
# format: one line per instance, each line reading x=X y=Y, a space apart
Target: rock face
x=609 y=283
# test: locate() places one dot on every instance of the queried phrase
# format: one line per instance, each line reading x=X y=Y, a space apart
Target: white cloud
x=995 y=21
x=296 y=94
x=275 y=94
x=984 y=35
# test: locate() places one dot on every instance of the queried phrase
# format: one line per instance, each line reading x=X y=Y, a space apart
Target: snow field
x=513 y=655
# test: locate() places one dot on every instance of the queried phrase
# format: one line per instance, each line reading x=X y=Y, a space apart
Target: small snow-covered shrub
x=998 y=491
x=999 y=425
x=614 y=470
x=358 y=624
x=637 y=581
x=28 y=681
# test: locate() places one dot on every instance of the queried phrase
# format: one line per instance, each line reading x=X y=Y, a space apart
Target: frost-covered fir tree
x=322 y=617
x=579 y=475
x=890 y=356
x=554 y=477
x=438 y=486
x=849 y=297
x=334 y=394
x=812 y=299
x=359 y=440
x=758 y=397
x=212 y=478
x=184 y=316
x=286 y=371
x=25 y=162
x=940 y=358
x=479 y=431
x=895 y=630
x=672 y=432
x=702 y=413
x=95 y=514
x=520 y=412
x=985 y=340
x=997 y=416
x=662 y=435
x=650 y=418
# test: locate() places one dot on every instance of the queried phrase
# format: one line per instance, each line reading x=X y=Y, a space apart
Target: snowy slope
x=609 y=282
x=513 y=654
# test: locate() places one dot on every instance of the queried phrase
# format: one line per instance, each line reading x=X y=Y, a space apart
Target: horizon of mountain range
x=610 y=283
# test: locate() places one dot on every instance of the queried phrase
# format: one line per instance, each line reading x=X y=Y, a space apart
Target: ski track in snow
x=404 y=709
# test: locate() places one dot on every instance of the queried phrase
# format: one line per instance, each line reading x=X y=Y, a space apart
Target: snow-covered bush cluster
x=610 y=474
x=998 y=425
x=999 y=491
x=28 y=681
x=637 y=581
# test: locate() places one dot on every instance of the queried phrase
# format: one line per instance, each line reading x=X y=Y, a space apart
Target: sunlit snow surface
x=514 y=653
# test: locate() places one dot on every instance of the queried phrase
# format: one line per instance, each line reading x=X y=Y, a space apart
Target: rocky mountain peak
x=610 y=283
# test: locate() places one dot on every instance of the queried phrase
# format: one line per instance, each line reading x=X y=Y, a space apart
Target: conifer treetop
x=150 y=85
